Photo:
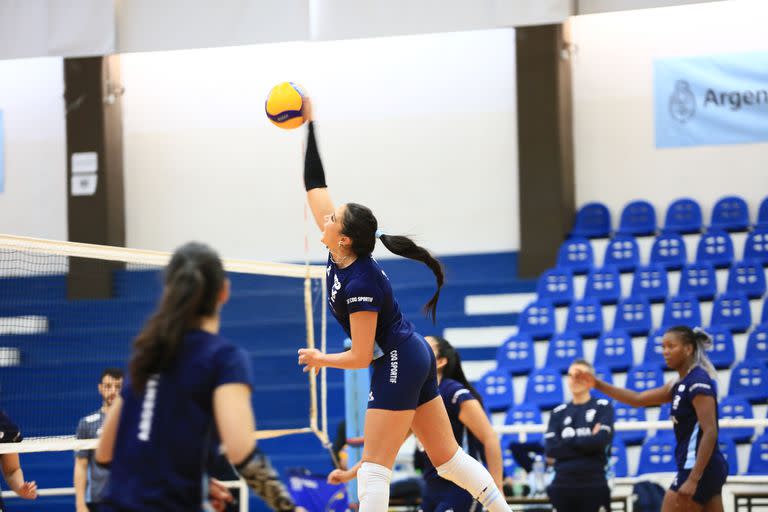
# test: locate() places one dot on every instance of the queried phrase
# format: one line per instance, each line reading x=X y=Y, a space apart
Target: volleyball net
x=69 y=310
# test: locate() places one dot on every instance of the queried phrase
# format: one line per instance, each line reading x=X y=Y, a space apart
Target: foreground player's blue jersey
x=687 y=431
x=164 y=435
x=363 y=286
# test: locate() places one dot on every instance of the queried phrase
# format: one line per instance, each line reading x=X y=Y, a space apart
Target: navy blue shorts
x=405 y=377
x=711 y=483
x=457 y=500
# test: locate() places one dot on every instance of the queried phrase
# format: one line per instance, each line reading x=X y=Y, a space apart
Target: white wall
x=615 y=156
x=420 y=128
x=33 y=202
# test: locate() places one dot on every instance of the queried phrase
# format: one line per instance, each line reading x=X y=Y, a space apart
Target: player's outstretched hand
x=28 y=491
x=584 y=378
x=340 y=476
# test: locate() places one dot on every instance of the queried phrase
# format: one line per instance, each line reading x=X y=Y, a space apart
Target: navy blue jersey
x=363 y=286
x=164 y=436
x=683 y=415
x=454 y=394
x=581 y=457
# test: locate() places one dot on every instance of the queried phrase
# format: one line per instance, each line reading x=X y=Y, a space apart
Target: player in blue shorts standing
x=404 y=393
x=465 y=410
x=185 y=384
x=701 y=468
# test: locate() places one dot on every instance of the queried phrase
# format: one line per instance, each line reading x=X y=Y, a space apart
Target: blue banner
x=720 y=99
x=2 y=154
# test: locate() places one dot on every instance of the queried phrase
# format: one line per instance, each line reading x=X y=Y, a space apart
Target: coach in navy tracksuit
x=579 y=439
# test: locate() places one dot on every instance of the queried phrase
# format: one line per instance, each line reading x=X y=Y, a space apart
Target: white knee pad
x=469 y=474
x=373 y=487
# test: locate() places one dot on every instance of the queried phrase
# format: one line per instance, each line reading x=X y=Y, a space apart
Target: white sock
x=373 y=487
x=469 y=474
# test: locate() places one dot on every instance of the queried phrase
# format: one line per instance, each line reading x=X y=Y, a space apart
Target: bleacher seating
x=682 y=310
x=651 y=282
x=638 y=218
x=524 y=414
x=585 y=317
x=749 y=379
x=623 y=253
x=723 y=351
x=731 y=310
x=657 y=455
x=747 y=277
x=576 y=254
x=593 y=220
x=728 y=449
x=618 y=458
x=556 y=286
x=730 y=213
x=603 y=373
x=762 y=215
x=756 y=246
x=624 y=412
x=516 y=355
x=758 y=456
x=757 y=344
x=669 y=251
x=652 y=353
x=644 y=377
x=735 y=407
x=563 y=349
x=633 y=315
x=537 y=320
x=715 y=247
x=604 y=285
x=698 y=279
x=544 y=388
x=496 y=389
x=683 y=217
x=614 y=351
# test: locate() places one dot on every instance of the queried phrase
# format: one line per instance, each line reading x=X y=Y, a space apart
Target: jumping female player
x=404 y=393
x=579 y=439
x=701 y=468
x=185 y=383
x=465 y=410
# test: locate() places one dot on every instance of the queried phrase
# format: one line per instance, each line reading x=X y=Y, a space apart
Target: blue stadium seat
x=623 y=253
x=683 y=216
x=593 y=220
x=624 y=412
x=537 y=320
x=618 y=459
x=716 y=247
x=651 y=282
x=515 y=355
x=544 y=388
x=603 y=373
x=762 y=215
x=756 y=246
x=585 y=317
x=562 y=349
x=669 y=250
x=634 y=316
x=604 y=285
x=728 y=449
x=736 y=407
x=614 y=351
x=730 y=213
x=556 y=286
x=652 y=352
x=748 y=277
x=496 y=389
x=524 y=414
x=507 y=456
x=758 y=457
x=731 y=310
x=682 y=310
x=645 y=376
x=749 y=379
x=698 y=279
x=757 y=344
x=576 y=254
x=657 y=455
x=665 y=411
x=638 y=218
x=723 y=351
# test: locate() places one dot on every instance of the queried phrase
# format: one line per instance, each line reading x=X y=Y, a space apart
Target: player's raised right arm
x=318 y=197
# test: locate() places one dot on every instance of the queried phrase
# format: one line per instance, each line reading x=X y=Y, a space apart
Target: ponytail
x=453 y=369
x=405 y=247
x=194 y=278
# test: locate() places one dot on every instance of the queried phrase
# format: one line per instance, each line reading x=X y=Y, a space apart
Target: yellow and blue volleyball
x=283 y=105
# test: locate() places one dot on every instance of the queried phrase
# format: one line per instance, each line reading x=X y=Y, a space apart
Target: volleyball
x=283 y=105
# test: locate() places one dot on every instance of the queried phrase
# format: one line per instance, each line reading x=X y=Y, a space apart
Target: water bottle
x=610 y=473
x=538 y=476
